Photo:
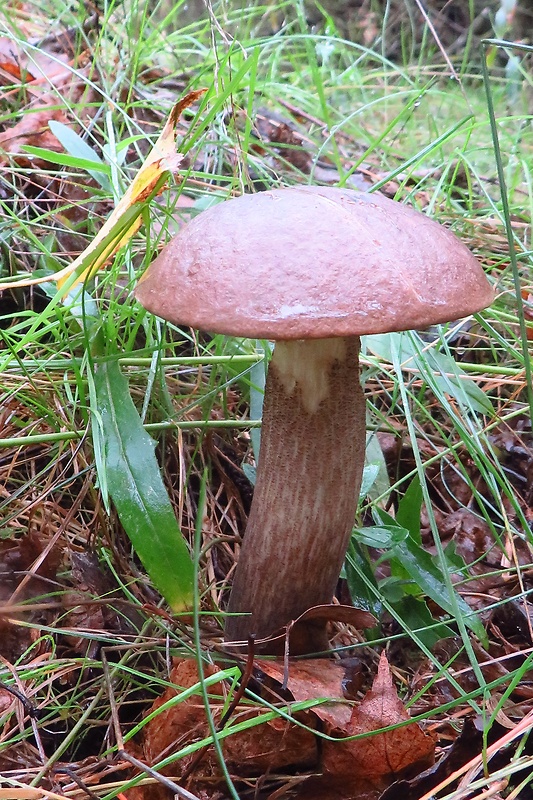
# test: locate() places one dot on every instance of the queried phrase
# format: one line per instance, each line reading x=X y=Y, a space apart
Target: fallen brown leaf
x=274 y=745
x=385 y=755
x=9 y=57
x=32 y=129
x=27 y=565
x=313 y=679
x=32 y=65
x=289 y=143
x=467 y=745
x=302 y=632
x=357 y=769
x=350 y=769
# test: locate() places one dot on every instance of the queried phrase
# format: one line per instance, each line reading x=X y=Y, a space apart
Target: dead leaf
x=312 y=679
x=9 y=57
x=289 y=143
x=33 y=64
x=183 y=722
x=125 y=219
x=467 y=745
x=274 y=745
x=305 y=631
x=85 y=610
x=359 y=769
x=379 y=759
x=32 y=129
x=27 y=566
x=334 y=612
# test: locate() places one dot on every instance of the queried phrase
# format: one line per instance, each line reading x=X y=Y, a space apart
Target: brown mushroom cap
x=313 y=262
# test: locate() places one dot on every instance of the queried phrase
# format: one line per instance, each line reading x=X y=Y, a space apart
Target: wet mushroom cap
x=313 y=262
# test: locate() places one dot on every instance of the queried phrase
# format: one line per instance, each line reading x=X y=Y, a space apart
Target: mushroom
x=312 y=268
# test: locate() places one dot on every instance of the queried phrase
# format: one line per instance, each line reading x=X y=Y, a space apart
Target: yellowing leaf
x=126 y=217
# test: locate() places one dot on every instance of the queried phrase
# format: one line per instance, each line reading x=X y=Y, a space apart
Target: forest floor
x=107 y=688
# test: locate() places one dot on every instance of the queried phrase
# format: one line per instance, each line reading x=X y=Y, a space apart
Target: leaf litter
x=337 y=766
x=94 y=610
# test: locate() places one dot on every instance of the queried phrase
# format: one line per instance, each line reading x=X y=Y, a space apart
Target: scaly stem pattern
x=308 y=480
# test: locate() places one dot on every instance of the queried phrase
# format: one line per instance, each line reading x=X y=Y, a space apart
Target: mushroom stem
x=305 y=498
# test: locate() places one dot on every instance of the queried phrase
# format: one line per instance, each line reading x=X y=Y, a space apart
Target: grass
x=453 y=410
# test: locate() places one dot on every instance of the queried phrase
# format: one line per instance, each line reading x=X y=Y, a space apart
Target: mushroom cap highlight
x=313 y=262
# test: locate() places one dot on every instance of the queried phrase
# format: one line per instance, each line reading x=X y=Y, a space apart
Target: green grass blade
x=75 y=162
x=421 y=357
x=78 y=148
x=136 y=488
x=506 y=213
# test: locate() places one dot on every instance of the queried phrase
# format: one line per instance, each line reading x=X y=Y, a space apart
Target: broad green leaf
x=136 y=488
x=381 y=536
x=399 y=571
x=409 y=507
x=409 y=561
x=361 y=581
x=78 y=148
x=374 y=457
x=392 y=589
x=456 y=563
x=426 y=574
x=73 y=142
x=417 y=617
x=370 y=474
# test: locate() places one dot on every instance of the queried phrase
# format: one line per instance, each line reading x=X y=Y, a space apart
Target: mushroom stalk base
x=305 y=498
